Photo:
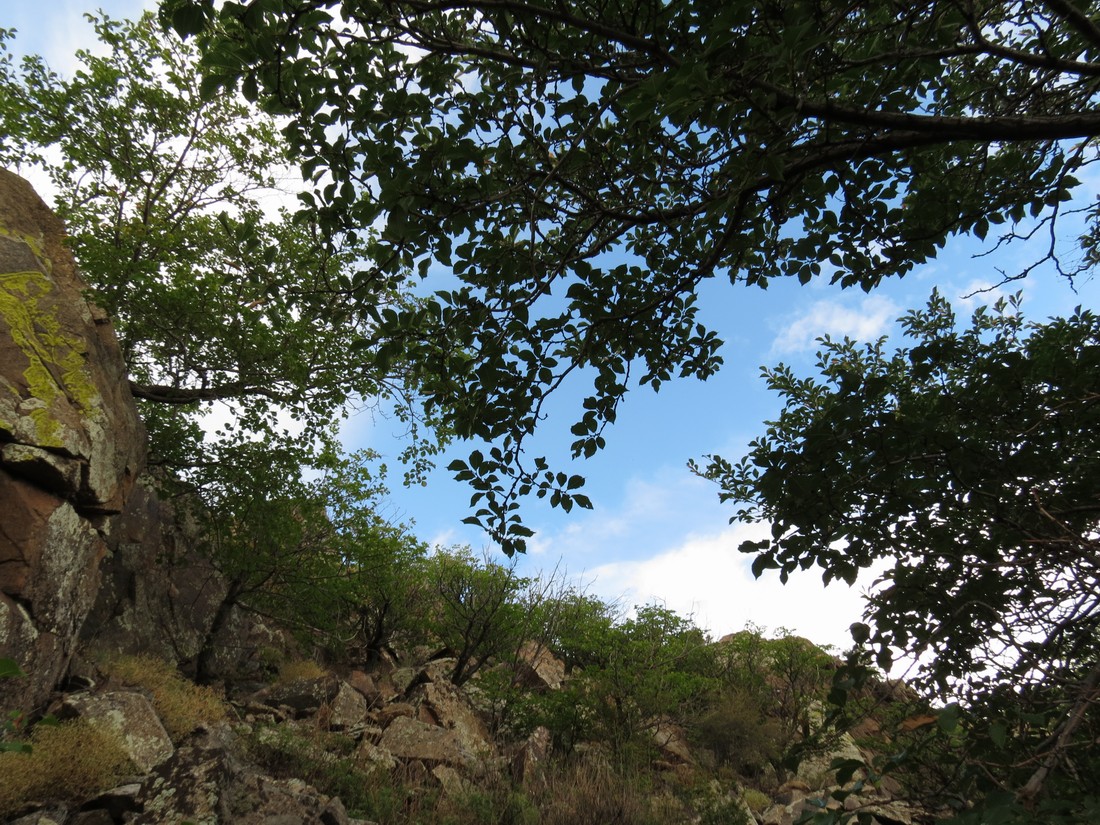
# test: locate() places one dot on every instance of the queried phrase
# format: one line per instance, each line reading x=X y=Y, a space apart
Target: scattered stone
x=371 y=757
x=538 y=669
x=366 y=686
x=348 y=707
x=395 y=710
x=445 y=705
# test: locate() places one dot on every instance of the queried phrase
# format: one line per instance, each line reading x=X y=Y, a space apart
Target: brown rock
x=395 y=710
x=538 y=669
x=63 y=387
x=443 y=704
x=72 y=444
x=534 y=752
x=366 y=686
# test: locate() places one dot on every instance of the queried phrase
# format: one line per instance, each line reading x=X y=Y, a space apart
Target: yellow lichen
x=56 y=360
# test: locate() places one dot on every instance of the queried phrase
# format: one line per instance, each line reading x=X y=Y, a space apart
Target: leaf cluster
x=965 y=466
x=583 y=170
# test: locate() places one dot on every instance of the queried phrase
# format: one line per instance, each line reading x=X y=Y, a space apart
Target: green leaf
x=948 y=718
x=189 y=19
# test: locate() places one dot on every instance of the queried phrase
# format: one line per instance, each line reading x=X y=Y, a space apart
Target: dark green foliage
x=476 y=611
x=967 y=463
x=517 y=145
x=738 y=732
x=642 y=673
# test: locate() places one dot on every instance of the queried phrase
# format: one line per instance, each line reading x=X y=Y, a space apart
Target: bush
x=327 y=762
x=68 y=761
x=738 y=732
x=758 y=801
x=300 y=669
x=181 y=705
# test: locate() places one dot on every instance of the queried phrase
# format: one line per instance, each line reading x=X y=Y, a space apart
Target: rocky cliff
x=71 y=444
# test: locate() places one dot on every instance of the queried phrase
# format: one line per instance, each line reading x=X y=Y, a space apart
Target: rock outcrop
x=71 y=444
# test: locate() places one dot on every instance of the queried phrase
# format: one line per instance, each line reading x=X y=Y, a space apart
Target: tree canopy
x=967 y=464
x=581 y=169
x=172 y=207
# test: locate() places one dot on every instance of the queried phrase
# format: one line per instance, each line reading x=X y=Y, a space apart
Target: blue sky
x=657 y=533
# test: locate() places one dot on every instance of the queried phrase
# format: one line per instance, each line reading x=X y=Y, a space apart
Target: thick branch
x=948 y=129
x=185 y=395
x=1030 y=791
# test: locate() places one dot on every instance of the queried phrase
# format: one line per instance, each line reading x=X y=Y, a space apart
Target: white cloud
x=978 y=292
x=706 y=577
x=866 y=320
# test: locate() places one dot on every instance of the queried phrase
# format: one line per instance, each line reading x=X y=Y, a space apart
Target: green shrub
x=738 y=732
x=327 y=762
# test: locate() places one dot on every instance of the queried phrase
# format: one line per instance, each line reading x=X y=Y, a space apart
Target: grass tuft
x=300 y=669
x=181 y=705
x=72 y=760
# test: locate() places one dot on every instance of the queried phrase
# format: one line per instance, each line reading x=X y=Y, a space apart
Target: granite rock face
x=71 y=444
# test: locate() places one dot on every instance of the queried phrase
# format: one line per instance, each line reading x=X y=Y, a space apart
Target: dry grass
x=300 y=669
x=591 y=792
x=68 y=761
x=181 y=705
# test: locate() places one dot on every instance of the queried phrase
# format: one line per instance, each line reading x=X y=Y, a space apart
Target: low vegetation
x=181 y=705
x=70 y=760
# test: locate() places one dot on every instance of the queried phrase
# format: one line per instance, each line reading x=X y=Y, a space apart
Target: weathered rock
x=54 y=815
x=370 y=757
x=366 y=686
x=402 y=678
x=450 y=781
x=71 y=443
x=204 y=783
x=393 y=711
x=538 y=669
x=347 y=708
x=445 y=705
x=407 y=738
x=672 y=742
x=157 y=595
x=532 y=755
x=303 y=696
x=117 y=802
x=814 y=770
x=131 y=717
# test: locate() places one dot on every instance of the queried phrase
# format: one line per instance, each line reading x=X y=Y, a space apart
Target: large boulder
x=71 y=444
x=204 y=781
x=129 y=716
